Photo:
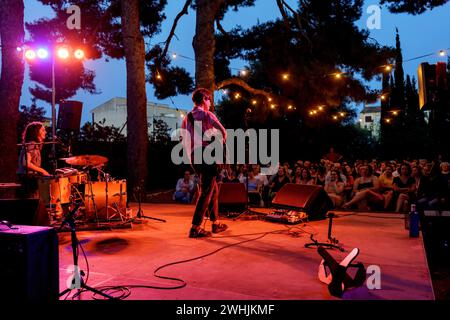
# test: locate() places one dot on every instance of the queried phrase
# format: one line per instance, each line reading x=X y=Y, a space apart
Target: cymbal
x=86 y=160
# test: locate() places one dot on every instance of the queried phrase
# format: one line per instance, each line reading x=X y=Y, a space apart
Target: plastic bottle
x=413 y=222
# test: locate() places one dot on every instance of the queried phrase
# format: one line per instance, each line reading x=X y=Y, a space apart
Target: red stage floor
x=273 y=266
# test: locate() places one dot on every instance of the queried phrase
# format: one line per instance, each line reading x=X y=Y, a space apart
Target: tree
x=412 y=6
x=12 y=68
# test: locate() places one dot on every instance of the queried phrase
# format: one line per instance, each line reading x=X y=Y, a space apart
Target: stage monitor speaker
x=232 y=197
x=29 y=265
x=24 y=211
x=69 y=115
x=313 y=200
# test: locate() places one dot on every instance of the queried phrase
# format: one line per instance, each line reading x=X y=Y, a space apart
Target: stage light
x=311 y=113
x=290 y=107
x=244 y=73
x=388 y=68
x=19 y=49
x=388 y=120
x=63 y=53
x=335 y=117
x=272 y=106
x=158 y=76
x=42 y=53
x=315 y=111
x=78 y=54
x=269 y=99
x=174 y=55
x=338 y=75
x=30 y=54
x=341 y=114
x=442 y=53
x=320 y=108
x=383 y=97
x=395 y=113
x=285 y=76
x=254 y=102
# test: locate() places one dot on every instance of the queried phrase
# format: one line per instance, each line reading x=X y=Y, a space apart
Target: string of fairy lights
x=315 y=111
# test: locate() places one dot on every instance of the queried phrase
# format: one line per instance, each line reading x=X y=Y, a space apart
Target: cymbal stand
x=107 y=206
x=92 y=196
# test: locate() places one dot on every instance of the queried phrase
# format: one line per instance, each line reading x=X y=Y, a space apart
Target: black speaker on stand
x=69 y=115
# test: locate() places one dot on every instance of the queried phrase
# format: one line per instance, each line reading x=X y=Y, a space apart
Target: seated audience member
x=386 y=185
x=260 y=177
x=229 y=175
x=184 y=189
x=254 y=189
x=366 y=190
x=321 y=176
x=277 y=182
x=404 y=187
x=428 y=192
x=305 y=177
x=335 y=189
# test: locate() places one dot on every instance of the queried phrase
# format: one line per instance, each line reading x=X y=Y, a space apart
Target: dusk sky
x=420 y=35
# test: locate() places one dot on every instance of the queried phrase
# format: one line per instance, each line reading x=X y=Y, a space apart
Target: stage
x=252 y=260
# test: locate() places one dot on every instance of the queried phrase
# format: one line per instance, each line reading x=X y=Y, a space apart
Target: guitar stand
x=336 y=276
x=333 y=242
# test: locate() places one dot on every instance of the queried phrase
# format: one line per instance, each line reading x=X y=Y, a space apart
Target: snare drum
x=54 y=190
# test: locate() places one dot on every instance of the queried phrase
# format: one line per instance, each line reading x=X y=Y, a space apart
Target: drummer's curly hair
x=31 y=131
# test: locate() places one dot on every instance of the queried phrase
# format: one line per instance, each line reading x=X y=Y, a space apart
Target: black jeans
x=209 y=197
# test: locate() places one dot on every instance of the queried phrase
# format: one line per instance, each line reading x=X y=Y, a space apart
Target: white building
x=369 y=119
x=114 y=112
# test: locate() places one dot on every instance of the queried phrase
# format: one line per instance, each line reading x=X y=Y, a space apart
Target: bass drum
x=117 y=196
x=54 y=190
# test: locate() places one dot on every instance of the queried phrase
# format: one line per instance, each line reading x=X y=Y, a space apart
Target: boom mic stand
x=333 y=242
x=77 y=280
x=140 y=212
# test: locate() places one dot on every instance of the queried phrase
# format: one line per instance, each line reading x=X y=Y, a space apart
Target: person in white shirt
x=184 y=189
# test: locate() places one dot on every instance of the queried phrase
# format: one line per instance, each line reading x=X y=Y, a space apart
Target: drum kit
x=103 y=200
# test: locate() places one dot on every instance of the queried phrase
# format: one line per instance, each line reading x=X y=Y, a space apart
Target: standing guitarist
x=207 y=172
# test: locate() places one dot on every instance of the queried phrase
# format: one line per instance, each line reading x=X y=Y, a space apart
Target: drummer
x=30 y=167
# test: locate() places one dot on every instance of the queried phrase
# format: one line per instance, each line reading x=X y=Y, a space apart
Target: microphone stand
x=140 y=212
x=333 y=242
x=77 y=280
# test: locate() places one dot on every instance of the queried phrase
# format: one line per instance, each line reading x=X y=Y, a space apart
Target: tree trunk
x=204 y=44
x=137 y=130
x=12 y=73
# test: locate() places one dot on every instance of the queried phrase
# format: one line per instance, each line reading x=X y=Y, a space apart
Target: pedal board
x=287 y=216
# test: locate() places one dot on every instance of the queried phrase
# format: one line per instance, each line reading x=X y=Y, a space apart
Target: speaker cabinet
x=307 y=198
x=232 y=197
x=29 y=265
x=69 y=115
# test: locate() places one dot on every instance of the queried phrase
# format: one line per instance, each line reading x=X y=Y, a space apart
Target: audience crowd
x=362 y=185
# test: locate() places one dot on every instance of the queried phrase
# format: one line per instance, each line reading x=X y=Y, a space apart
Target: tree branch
x=284 y=14
x=244 y=85
x=174 y=26
x=281 y=4
x=220 y=27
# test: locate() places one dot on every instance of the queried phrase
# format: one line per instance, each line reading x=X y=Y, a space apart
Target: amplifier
x=29 y=265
